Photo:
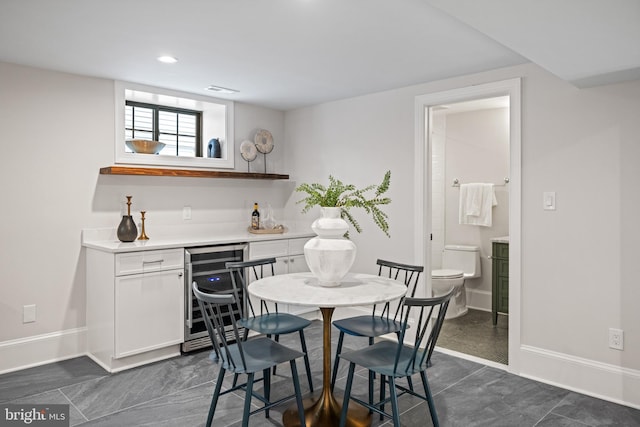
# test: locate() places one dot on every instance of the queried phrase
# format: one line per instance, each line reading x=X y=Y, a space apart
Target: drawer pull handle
x=153 y=262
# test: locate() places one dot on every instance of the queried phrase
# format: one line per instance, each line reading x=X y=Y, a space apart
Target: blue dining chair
x=393 y=360
x=248 y=357
x=378 y=323
x=267 y=322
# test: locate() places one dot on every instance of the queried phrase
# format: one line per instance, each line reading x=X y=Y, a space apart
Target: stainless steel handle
x=152 y=262
x=188 y=305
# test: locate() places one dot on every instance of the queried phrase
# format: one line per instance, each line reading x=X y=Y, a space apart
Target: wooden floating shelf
x=126 y=170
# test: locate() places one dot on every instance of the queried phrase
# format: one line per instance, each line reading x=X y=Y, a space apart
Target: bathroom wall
x=477 y=150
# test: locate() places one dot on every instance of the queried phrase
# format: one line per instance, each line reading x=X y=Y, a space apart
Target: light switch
x=186 y=212
x=549 y=200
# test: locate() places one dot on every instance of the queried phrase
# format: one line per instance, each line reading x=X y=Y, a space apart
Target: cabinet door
x=297 y=264
x=503 y=294
x=149 y=311
x=289 y=256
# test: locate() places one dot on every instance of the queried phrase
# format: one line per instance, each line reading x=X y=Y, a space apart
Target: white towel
x=476 y=203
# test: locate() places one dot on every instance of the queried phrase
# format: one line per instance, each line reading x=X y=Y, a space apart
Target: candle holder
x=143 y=235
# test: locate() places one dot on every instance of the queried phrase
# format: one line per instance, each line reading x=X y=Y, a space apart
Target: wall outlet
x=616 y=338
x=29 y=313
x=186 y=212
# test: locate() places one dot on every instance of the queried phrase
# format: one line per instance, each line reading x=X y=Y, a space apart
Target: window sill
x=126 y=170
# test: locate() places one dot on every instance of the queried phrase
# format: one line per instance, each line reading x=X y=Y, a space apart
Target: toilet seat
x=447 y=274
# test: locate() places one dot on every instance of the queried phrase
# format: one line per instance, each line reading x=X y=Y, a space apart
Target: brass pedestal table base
x=325 y=411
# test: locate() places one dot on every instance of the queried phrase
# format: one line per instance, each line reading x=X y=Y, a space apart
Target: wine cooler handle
x=187 y=297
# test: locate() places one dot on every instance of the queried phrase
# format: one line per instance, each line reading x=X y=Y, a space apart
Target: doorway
x=427 y=108
x=469 y=146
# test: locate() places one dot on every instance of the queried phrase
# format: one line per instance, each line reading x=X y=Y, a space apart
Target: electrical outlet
x=186 y=212
x=29 y=313
x=616 y=338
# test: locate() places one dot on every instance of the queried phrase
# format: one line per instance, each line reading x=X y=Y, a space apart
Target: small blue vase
x=215 y=150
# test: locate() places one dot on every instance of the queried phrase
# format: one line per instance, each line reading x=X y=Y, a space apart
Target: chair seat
x=381 y=356
x=260 y=354
x=368 y=326
x=275 y=323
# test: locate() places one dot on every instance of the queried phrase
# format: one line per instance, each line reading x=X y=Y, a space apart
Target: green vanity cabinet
x=500 y=279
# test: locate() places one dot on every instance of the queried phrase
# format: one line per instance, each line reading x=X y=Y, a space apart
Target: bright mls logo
x=34 y=415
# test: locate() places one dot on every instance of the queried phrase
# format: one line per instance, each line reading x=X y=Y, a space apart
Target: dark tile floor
x=177 y=392
x=475 y=334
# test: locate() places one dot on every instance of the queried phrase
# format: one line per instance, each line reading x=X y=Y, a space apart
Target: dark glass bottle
x=255 y=218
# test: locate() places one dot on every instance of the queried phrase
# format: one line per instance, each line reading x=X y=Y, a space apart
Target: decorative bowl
x=144 y=146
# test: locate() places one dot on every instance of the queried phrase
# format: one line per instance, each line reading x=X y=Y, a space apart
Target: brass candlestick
x=143 y=235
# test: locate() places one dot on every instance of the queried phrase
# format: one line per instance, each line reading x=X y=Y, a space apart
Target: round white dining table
x=304 y=289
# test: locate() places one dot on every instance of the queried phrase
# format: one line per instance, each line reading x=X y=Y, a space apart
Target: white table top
x=303 y=289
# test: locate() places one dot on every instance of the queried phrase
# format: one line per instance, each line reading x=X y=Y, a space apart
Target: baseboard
x=479 y=300
x=42 y=349
x=601 y=380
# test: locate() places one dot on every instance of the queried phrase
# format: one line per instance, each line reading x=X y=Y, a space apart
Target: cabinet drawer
x=271 y=248
x=296 y=246
x=149 y=261
x=501 y=250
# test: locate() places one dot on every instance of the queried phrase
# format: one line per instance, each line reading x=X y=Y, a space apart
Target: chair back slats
x=408 y=274
x=215 y=308
x=430 y=313
x=260 y=268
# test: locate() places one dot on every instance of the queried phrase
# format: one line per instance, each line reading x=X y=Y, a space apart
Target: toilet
x=459 y=262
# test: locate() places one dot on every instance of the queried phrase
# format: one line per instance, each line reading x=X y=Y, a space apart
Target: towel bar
x=456 y=183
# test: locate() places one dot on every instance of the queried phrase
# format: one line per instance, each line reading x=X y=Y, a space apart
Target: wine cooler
x=206 y=267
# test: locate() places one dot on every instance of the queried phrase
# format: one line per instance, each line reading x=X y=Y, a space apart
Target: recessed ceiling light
x=220 y=89
x=168 y=59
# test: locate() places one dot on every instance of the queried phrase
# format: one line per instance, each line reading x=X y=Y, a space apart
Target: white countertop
x=503 y=239
x=182 y=236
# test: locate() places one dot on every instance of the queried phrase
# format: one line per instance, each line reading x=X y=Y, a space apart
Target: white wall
x=57 y=131
x=579 y=267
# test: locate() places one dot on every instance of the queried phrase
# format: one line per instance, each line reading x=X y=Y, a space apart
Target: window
x=187 y=123
x=178 y=128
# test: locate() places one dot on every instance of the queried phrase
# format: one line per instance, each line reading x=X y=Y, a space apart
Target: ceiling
x=286 y=54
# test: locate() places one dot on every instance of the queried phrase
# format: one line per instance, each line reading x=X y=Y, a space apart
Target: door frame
x=422 y=196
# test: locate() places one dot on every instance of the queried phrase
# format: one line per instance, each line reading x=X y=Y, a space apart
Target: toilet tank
x=464 y=258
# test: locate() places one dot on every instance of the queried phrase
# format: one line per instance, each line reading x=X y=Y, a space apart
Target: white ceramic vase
x=330 y=255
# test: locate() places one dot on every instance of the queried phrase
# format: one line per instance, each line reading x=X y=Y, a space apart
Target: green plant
x=347 y=196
